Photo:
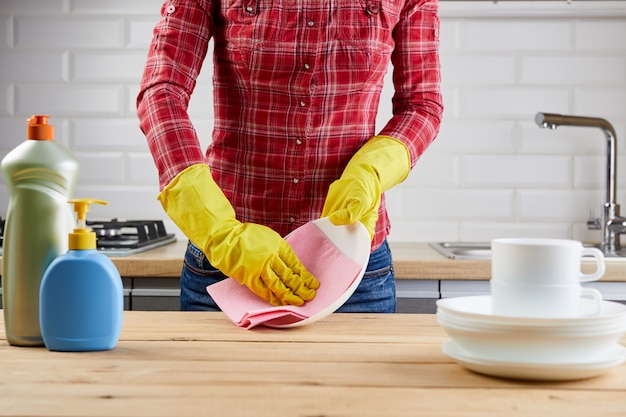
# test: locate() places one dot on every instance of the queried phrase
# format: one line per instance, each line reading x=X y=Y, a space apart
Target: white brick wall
x=490 y=173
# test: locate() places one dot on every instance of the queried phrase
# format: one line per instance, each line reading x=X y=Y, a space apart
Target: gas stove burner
x=107 y=233
x=125 y=237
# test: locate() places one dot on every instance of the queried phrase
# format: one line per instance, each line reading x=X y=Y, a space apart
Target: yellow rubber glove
x=381 y=163
x=254 y=255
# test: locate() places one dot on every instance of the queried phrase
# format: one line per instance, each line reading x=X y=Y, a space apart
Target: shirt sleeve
x=177 y=51
x=417 y=101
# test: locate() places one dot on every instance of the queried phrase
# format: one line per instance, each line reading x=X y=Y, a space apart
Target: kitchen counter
x=200 y=364
x=412 y=261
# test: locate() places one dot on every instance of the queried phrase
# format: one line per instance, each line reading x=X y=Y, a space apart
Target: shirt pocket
x=251 y=23
x=364 y=33
x=368 y=24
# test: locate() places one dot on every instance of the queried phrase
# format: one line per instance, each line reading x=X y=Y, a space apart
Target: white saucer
x=536 y=371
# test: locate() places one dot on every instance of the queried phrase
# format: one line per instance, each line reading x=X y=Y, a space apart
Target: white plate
x=477 y=308
x=353 y=241
x=536 y=371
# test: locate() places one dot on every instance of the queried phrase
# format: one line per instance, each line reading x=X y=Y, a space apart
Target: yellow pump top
x=83 y=237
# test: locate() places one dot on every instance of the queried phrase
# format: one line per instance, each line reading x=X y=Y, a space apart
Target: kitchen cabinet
x=417 y=296
x=155 y=294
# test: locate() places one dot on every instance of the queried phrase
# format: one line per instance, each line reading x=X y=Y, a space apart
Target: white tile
x=549 y=205
x=486 y=231
x=573 y=69
x=120 y=7
x=609 y=103
x=433 y=170
x=569 y=140
x=6 y=100
x=517 y=34
x=142 y=170
x=423 y=231
x=451 y=102
x=393 y=201
x=499 y=103
x=449 y=34
x=68 y=32
x=108 y=134
x=459 y=204
x=13 y=132
x=106 y=67
x=600 y=34
x=475 y=137
x=26 y=66
x=478 y=69
x=201 y=102
x=581 y=232
x=4 y=199
x=100 y=168
x=591 y=172
x=204 y=129
x=140 y=31
x=125 y=202
x=32 y=7
x=131 y=94
x=65 y=100
x=6 y=32
x=515 y=171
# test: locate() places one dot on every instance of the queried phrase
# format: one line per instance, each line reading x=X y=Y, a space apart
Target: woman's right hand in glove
x=254 y=255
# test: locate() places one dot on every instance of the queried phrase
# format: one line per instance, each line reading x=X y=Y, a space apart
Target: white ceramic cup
x=534 y=277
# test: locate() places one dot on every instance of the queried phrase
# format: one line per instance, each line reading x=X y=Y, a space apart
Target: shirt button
x=298 y=142
x=302 y=103
x=295 y=180
x=170 y=9
x=307 y=66
x=292 y=220
x=373 y=8
x=310 y=23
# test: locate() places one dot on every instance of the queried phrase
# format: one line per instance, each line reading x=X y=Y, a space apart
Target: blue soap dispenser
x=81 y=296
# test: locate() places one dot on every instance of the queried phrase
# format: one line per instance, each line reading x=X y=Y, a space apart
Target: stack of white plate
x=533 y=348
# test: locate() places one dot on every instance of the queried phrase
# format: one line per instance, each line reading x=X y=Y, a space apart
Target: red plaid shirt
x=296 y=93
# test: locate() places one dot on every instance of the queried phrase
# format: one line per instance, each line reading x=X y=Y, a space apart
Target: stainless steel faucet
x=612 y=224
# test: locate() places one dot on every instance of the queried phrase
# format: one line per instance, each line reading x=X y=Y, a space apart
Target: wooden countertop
x=411 y=261
x=200 y=364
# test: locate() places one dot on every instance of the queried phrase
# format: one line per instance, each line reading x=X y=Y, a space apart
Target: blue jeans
x=375 y=294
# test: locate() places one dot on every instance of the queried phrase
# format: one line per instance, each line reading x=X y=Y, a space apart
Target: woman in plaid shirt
x=297 y=85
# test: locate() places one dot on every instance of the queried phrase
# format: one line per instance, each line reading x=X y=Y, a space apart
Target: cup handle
x=595 y=295
x=600 y=267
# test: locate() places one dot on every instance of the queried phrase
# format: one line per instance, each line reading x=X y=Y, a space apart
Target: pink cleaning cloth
x=334 y=270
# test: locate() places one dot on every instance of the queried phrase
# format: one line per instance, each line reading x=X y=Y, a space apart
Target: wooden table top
x=200 y=364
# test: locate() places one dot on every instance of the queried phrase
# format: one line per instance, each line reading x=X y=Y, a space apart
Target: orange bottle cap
x=39 y=129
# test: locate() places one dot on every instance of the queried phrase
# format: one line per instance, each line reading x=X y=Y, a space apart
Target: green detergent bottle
x=40 y=176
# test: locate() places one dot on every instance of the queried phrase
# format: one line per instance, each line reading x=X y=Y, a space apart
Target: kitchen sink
x=482 y=250
x=463 y=250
